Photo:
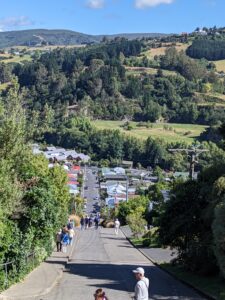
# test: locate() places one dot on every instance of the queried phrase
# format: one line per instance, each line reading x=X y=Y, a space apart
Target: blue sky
x=112 y=16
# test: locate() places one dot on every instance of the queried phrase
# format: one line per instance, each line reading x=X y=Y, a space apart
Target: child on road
x=100 y=295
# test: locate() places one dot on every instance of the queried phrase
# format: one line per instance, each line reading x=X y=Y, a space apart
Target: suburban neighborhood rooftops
x=115 y=177
x=60 y=154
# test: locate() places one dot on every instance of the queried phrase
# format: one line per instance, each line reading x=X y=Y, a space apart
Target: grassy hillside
x=169 y=132
x=14 y=58
x=220 y=65
x=161 y=51
x=211 y=99
x=38 y=36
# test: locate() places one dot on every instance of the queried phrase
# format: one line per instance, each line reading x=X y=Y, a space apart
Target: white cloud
x=95 y=4
x=14 y=22
x=151 y=3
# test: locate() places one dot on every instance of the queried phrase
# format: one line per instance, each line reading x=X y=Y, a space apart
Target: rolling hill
x=34 y=37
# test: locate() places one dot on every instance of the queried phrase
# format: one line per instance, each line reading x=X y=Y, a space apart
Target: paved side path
x=42 y=279
x=157 y=255
x=104 y=260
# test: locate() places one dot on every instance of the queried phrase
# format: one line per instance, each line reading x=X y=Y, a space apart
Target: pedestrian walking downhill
x=142 y=285
x=100 y=295
x=117 y=226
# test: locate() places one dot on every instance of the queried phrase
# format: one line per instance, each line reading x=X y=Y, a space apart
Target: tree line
x=34 y=199
x=208 y=48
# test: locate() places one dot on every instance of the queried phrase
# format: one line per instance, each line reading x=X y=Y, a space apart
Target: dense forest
x=93 y=81
x=211 y=49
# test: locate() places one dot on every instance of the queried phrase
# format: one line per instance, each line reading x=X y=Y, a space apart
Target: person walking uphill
x=142 y=285
x=117 y=226
x=59 y=241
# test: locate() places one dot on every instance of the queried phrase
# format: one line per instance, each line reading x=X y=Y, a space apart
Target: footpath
x=42 y=279
x=156 y=255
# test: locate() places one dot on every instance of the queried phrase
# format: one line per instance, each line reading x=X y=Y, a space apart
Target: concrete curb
x=73 y=247
x=200 y=292
x=55 y=281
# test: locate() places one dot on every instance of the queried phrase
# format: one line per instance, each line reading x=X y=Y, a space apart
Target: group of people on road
x=64 y=236
x=88 y=222
x=140 y=290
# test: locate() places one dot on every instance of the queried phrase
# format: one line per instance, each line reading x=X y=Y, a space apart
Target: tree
x=136 y=222
x=181 y=225
x=155 y=152
x=13 y=125
x=219 y=235
x=5 y=74
x=139 y=204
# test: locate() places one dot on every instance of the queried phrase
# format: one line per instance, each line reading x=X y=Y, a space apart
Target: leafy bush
x=136 y=222
x=219 y=235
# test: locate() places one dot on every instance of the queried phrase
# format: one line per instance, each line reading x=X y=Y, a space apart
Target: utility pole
x=84 y=179
x=193 y=153
x=127 y=190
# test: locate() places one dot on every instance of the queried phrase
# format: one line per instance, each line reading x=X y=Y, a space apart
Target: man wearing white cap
x=142 y=285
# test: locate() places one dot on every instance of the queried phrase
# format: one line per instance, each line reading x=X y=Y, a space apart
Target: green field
x=169 y=132
x=15 y=58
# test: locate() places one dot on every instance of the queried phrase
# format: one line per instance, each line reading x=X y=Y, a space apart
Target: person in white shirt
x=117 y=226
x=71 y=235
x=142 y=285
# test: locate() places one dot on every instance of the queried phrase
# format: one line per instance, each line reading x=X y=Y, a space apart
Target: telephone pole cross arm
x=193 y=153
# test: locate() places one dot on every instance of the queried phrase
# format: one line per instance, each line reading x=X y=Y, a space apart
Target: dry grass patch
x=161 y=51
x=220 y=65
x=151 y=71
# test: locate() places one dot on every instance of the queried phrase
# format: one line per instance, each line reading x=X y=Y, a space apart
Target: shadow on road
x=120 y=278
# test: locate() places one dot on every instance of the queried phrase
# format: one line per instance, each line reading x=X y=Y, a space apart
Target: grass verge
x=212 y=286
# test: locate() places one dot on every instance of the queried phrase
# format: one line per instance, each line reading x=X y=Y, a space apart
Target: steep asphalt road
x=91 y=192
x=102 y=259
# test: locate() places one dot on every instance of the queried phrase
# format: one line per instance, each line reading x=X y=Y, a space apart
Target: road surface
x=104 y=260
x=92 y=191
